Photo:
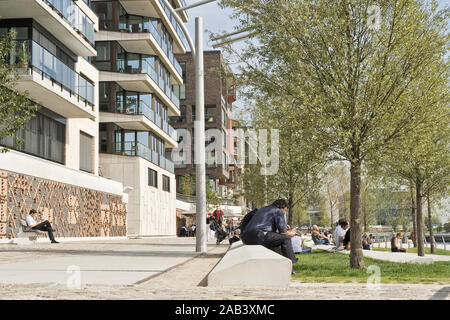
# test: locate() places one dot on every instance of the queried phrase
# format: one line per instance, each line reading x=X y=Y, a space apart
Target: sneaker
x=293 y=271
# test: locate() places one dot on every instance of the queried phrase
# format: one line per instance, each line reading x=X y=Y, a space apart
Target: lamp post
x=199 y=124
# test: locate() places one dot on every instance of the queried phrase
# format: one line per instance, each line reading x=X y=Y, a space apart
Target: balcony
x=140 y=116
x=132 y=148
x=54 y=85
x=183 y=14
x=62 y=18
x=156 y=9
x=141 y=36
x=139 y=75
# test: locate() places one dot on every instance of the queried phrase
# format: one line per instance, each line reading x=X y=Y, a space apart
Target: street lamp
x=199 y=124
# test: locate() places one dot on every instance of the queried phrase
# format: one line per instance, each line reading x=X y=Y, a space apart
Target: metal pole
x=199 y=142
x=443 y=241
x=194 y=5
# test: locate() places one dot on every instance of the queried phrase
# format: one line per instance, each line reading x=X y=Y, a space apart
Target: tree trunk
x=291 y=211
x=430 y=225
x=356 y=254
x=331 y=217
x=419 y=234
x=413 y=215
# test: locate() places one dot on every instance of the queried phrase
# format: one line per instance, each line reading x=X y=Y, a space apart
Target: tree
x=15 y=107
x=300 y=160
x=336 y=183
x=187 y=184
x=353 y=81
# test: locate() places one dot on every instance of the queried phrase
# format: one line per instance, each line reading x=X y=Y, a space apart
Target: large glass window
x=103 y=10
x=103 y=59
x=43 y=136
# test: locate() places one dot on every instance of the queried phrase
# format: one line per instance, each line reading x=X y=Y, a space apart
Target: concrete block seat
x=249 y=266
x=25 y=234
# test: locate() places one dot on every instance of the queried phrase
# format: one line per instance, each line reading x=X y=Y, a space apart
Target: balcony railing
x=70 y=12
x=143 y=66
x=146 y=25
x=47 y=65
x=174 y=22
x=132 y=148
x=141 y=108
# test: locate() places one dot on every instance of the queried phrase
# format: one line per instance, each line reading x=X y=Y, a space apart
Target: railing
x=51 y=67
x=70 y=12
x=146 y=25
x=148 y=68
x=132 y=148
x=174 y=22
x=144 y=109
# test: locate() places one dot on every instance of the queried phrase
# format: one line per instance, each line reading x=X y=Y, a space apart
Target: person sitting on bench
x=43 y=226
x=395 y=247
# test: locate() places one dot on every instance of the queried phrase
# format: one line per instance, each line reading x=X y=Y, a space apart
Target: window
x=43 y=136
x=166 y=183
x=103 y=59
x=152 y=178
x=210 y=114
x=104 y=90
x=86 y=152
x=104 y=12
x=193 y=113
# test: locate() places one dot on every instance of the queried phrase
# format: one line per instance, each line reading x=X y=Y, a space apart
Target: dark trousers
x=271 y=240
x=45 y=226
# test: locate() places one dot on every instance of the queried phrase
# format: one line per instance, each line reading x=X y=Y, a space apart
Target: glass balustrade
x=132 y=148
x=144 y=24
x=137 y=65
x=49 y=66
x=70 y=12
x=142 y=108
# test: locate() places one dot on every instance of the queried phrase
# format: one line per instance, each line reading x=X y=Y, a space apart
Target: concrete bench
x=250 y=266
x=27 y=235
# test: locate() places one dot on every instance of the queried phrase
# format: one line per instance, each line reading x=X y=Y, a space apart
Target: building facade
x=55 y=169
x=219 y=97
x=136 y=47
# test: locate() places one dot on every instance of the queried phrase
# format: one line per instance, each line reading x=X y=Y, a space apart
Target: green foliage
x=212 y=199
x=447 y=227
x=361 y=91
x=15 y=107
x=187 y=184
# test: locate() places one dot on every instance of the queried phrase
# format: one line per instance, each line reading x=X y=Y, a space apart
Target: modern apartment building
x=55 y=170
x=135 y=47
x=219 y=96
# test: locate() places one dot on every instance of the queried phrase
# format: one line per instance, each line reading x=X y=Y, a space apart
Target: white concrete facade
x=151 y=210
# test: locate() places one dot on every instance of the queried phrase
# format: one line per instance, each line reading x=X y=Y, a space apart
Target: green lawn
x=323 y=266
x=414 y=250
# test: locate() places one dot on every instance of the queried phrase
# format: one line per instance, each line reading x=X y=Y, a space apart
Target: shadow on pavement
x=442 y=294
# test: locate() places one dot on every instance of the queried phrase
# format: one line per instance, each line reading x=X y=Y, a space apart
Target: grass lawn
x=414 y=250
x=323 y=266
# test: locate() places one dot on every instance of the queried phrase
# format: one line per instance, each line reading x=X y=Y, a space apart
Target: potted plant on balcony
x=23 y=56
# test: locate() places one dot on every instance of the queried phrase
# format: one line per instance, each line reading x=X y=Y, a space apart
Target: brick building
x=219 y=96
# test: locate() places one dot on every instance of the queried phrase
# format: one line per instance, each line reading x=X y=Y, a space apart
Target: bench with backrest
x=26 y=232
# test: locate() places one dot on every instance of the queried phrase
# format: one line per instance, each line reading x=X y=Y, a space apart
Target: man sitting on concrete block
x=268 y=228
x=43 y=226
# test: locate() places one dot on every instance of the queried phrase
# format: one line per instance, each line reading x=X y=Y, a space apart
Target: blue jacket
x=268 y=218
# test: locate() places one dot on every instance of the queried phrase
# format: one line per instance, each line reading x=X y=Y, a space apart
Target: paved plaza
x=158 y=268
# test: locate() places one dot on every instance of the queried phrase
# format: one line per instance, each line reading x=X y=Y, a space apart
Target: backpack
x=247 y=219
